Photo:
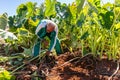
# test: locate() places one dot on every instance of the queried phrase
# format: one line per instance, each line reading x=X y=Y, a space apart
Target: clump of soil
x=70 y=66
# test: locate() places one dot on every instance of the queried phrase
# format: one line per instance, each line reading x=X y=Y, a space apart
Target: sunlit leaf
x=3 y=21
x=5 y=75
x=7 y=35
x=108 y=6
x=50 y=7
x=117 y=3
x=108 y=18
x=81 y=20
x=31 y=7
x=22 y=31
x=99 y=39
x=117 y=12
x=117 y=26
x=85 y=35
x=80 y=4
x=22 y=8
x=27 y=52
x=93 y=7
x=73 y=10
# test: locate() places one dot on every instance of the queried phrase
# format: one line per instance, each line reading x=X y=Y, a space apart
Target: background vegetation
x=88 y=25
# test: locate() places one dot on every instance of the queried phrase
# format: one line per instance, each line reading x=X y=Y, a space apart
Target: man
x=50 y=29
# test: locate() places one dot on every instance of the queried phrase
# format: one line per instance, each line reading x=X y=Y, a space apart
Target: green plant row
x=89 y=25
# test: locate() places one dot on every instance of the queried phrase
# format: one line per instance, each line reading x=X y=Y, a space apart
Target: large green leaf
x=73 y=10
x=117 y=12
x=30 y=25
x=84 y=36
x=21 y=9
x=81 y=20
x=50 y=7
x=80 y=4
x=7 y=35
x=93 y=7
x=117 y=3
x=3 y=21
x=31 y=7
x=21 y=15
x=107 y=15
x=117 y=26
x=40 y=11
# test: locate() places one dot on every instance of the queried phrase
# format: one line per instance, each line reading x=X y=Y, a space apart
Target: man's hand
x=48 y=53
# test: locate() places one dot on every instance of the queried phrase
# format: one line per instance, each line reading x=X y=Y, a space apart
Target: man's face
x=50 y=28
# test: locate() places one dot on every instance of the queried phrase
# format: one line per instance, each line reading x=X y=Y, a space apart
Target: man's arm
x=53 y=41
x=41 y=25
x=40 y=30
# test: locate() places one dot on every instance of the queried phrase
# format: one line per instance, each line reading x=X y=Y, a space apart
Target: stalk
x=82 y=47
x=42 y=54
x=4 y=59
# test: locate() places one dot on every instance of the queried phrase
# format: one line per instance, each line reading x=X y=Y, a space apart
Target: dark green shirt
x=41 y=32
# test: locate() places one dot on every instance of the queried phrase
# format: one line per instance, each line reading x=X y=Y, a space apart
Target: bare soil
x=70 y=66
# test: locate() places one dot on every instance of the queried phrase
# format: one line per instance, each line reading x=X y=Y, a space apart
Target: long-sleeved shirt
x=41 y=32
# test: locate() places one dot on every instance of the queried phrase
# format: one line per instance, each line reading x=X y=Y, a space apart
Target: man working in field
x=50 y=29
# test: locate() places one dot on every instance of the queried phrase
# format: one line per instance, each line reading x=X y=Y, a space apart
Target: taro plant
x=103 y=36
x=8 y=37
x=3 y=21
x=90 y=26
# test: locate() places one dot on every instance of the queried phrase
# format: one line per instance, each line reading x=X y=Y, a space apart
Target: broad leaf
x=80 y=4
x=117 y=26
x=85 y=35
x=22 y=8
x=50 y=7
x=117 y=3
x=3 y=21
x=7 y=35
x=73 y=10
x=31 y=9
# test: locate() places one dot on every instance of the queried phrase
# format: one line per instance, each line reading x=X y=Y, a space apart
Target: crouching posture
x=50 y=29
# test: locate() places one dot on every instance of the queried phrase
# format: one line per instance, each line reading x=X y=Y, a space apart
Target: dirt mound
x=70 y=66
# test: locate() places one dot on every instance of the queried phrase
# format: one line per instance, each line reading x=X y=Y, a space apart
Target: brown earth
x=70 y=66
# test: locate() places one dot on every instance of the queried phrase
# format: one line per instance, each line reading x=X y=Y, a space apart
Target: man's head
x=50 y=27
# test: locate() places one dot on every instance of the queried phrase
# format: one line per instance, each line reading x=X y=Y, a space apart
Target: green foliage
x=107 y=15
x=5 y=75
x=9 y=38
x=73 y=10
x=117 y=3
x=30 y=25
x=92 y=6
x=7 y=35
x=22 y=9
x=27 y=52
x=11 y=23
x=4 y=59
x=85 y=35
x=79 y=4
x=3 y=21
x=31 y=8
x=50 y=7
x=88 y=25
x=25 y=12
